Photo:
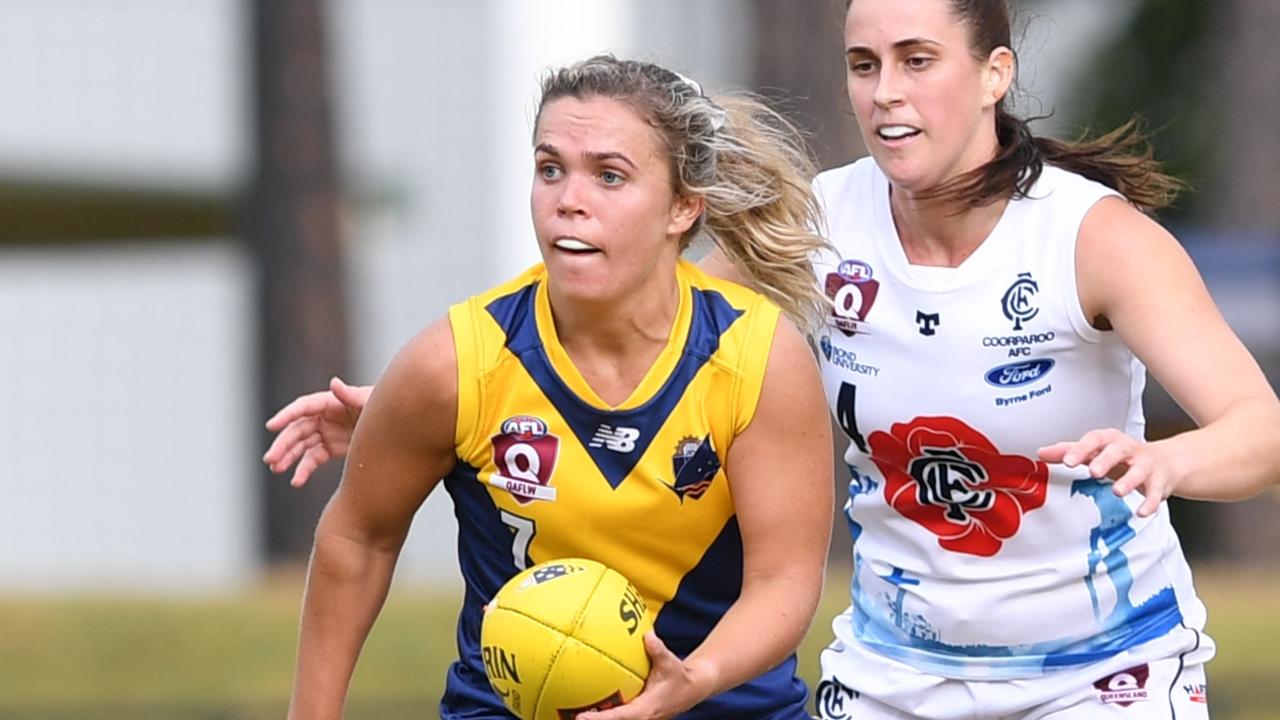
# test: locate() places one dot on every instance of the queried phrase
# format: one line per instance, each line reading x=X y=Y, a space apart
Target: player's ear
x=997 y=75
x=685 y=211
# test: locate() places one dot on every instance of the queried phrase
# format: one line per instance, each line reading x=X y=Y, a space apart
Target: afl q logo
x=1019 y=300
x=851 y=291
x=524 y=458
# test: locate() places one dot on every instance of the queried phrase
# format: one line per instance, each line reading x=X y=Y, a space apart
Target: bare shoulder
x=1123 y=254
x=1134 y=274
x=1115 y=231
x=791 y=397
x=780 y=466
x=403 y=443
x=416 y=397
x=790 y=351
x=427 y=364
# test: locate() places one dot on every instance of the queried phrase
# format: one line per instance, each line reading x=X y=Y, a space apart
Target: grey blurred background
x=211 y=206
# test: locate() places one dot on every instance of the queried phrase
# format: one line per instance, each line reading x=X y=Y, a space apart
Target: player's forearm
x=759 y=631
x=346 y=585
x=1233 y=458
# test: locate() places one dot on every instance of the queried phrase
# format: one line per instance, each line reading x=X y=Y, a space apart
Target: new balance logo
x=617 y=439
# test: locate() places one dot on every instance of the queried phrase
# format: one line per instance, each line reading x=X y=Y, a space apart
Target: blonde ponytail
x=761 y=210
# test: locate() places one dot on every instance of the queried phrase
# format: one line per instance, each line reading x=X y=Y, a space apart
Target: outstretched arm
x=402 y=446
x=780 y=473
x=1135 y=276
x=314 y=429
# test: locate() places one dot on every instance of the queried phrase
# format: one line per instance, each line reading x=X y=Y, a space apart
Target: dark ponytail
x=1121 y=159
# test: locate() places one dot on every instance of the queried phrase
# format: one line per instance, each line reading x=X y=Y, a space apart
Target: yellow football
x=563 y=637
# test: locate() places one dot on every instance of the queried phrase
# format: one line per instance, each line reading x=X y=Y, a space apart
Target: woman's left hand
x=670 y=690
x=1131 y=463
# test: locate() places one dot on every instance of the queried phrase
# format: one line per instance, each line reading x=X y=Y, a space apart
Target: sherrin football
x=563 y=637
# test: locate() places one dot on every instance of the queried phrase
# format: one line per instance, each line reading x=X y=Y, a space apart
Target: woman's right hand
x=671 y=688
x=314 y=429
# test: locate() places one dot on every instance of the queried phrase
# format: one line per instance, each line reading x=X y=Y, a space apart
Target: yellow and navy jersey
x=546 y=470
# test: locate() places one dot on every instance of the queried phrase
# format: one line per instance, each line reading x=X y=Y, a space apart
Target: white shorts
x=1162 y=680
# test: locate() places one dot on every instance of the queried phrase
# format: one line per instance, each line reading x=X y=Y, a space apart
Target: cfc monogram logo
x=834 y=701
x=951 y=480
x=1018 y=302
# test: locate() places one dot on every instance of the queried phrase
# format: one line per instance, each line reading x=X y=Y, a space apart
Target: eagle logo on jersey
x=524 y=455
x=852 y=291
x=954 y=482
x=695 y=465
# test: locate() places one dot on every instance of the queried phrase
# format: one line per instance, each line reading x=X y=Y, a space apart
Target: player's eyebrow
x=903 y=44
x=608 y=155
x=593 y=155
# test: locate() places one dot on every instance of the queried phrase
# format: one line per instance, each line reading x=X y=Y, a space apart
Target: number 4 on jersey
x=847 y=417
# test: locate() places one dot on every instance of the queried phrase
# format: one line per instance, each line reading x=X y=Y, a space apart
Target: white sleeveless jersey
x=972 y=559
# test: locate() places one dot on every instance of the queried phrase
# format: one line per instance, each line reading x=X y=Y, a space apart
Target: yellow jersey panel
x=547 y=470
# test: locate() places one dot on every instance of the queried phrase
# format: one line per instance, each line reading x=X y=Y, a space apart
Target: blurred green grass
x=232 y=659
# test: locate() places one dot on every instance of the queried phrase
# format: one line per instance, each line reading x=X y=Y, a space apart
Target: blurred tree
x=1200 y=73
x=1155 y=68
x=291 y=219
x=61 y=212
x=1241 y=112
x=799 y=61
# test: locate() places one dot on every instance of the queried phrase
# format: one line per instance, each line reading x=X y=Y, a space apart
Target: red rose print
x=949 y=478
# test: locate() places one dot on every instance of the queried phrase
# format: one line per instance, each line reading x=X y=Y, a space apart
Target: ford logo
x=1019 y=373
